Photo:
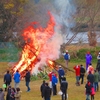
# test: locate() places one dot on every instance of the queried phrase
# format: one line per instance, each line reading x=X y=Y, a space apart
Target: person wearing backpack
x=66 y=58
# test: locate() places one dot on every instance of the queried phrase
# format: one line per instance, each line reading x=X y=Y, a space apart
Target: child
x=18 y=94
x=92 y=93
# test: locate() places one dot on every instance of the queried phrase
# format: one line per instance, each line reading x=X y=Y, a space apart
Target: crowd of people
x=92 y=76
x=13 y=93
x=48 y=89
x=52 y=86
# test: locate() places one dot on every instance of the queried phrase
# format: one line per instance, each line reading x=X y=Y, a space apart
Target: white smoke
x=65 y=10
x=64 y=16
x=51 y=51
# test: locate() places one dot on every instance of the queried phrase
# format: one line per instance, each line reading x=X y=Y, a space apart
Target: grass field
x=74 y=92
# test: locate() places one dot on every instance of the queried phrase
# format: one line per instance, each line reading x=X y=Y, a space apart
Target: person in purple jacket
x=88 y=58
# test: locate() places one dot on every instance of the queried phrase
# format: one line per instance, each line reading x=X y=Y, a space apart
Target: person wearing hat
x=88 y=58
x=61 y=73
x=66 y=58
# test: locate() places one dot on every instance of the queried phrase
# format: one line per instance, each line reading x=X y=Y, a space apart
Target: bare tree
x=89 y=9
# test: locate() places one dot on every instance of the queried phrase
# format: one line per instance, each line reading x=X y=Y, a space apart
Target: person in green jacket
x=96 y=80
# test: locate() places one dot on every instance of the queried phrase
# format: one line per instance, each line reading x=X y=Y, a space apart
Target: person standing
x=61 y=73
x=17 y=94
x=88 y=87
x=8 y=93
x=96 y=80
x=77 y=71
x=42 y=87
x=47 y=92
x=17 y=79
x=90 y=68
x=98 y=64
x=82 y=73
x=27 y=80
x=7 y=79
x=54 y=84
x=63 y=88
x=2 y=94
x=88 y=58
x=12 y=94
x=92 y=92
x=66 y=58
x=50 y=78
x=90 y=77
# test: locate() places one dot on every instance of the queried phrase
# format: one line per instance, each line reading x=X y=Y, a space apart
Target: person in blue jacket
x=67 y=58
x=54 y=84
x=61 y=73
x=17 y=79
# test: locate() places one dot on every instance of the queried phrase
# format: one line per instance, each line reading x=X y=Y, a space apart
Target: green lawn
x=74 y=92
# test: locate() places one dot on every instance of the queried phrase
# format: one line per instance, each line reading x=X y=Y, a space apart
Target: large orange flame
x=35 y=38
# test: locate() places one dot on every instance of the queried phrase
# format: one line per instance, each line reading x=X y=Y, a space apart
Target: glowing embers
x=35 y=40
x=52 y=64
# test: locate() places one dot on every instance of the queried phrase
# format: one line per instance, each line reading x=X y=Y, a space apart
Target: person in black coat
x=90 y=77
x=8 y=93
x=64 y=87
x=82 y=73
x=27 y=80
x=12 y=94
x=7 y=79
x=42 y=89
x=47 y=92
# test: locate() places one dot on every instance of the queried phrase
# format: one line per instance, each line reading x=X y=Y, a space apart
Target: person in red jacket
x=50 y=78
x=77 y=71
